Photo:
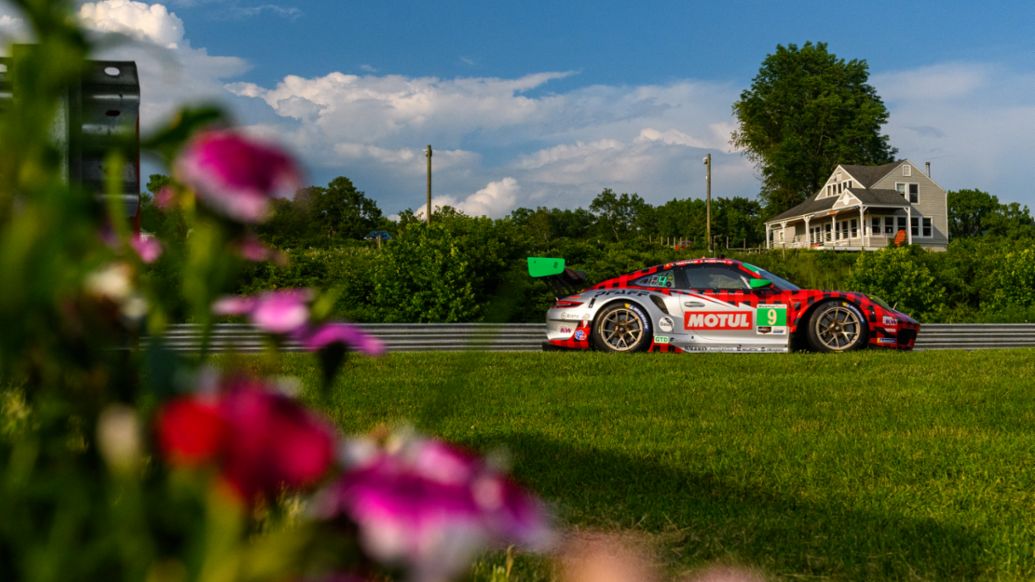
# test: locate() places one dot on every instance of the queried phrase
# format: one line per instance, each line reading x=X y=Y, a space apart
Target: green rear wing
x=562 y=280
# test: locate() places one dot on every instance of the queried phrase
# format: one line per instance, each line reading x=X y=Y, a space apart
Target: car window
x=663 y=279
x=715 y=277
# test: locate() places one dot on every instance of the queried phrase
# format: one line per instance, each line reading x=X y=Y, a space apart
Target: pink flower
x=433 y=507
x=147 y=247
x=273 y=442
x=282 y=311
x=165 y=198
x=252 y=249
x=260 y=441
x=318 y=338
x=236 y=175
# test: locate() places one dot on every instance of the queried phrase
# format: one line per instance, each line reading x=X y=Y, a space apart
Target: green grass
x=852 y=466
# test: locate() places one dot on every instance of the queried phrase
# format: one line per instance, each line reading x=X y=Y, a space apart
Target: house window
x=927 y=228
x=907 y=170
x=855 y=227
x=875 y=227
x=909 y=190
x=889 y=225
x=828 y=235
x=901 y=223
x=842 y=230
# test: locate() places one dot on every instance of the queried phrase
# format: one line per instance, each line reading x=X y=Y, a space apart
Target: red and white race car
x=714 y=305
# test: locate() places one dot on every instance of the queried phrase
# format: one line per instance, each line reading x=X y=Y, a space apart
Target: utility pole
x=428 y=216
x=708 y=201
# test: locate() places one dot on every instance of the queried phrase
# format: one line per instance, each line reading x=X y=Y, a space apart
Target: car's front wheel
x=837 y=326
x=622 y=327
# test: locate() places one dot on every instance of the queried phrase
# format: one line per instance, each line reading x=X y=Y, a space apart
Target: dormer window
x=907 y=170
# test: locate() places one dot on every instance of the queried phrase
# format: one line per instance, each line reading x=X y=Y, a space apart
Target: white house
x=865 y=208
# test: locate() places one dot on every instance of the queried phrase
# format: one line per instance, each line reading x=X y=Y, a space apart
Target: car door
x=721 y=312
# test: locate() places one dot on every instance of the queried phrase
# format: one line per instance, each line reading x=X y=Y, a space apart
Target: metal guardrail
x=513 y=337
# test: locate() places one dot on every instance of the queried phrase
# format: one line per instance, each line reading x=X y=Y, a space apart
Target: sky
x=532 y=103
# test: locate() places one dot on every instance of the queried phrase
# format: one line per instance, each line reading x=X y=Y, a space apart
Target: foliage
x=900 y=276
x=123 y=460
x=1014 y=282
x=323 y=216
x=617 y=215
x=442 y=272
x=974 y=213
x=805 y=112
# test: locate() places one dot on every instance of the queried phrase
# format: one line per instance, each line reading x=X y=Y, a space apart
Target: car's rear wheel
x=837 y=326
x=622 y=327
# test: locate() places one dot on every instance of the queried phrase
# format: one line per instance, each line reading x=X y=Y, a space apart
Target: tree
x=974 y=213
x=617 y=215
x=806 y=112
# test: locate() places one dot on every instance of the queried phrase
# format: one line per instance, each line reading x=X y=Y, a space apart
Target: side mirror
x=759 y=283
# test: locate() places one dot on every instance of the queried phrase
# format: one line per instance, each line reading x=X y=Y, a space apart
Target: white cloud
x=972 y=121
x=495 y=200
x=151 y=23
x=172 y=72
x=562 y=147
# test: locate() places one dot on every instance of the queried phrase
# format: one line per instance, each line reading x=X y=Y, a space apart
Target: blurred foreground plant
x=126 y=463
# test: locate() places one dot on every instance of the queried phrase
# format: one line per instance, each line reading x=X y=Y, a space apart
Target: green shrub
x=901 y=277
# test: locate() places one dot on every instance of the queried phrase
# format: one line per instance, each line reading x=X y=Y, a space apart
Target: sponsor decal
x=626 y=292
x=739 y=349
x=771 y=319
x=565 y=330
x=662 y=339
x=889 y=321
x=665 y=324
x=718 y=320
x=580 y=335
x=886 y=340
x=566 y=316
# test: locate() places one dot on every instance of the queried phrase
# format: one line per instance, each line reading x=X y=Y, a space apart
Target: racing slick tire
x=837 y=326
x=622 y=327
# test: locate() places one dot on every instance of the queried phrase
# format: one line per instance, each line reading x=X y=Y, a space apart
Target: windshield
x=779 y=282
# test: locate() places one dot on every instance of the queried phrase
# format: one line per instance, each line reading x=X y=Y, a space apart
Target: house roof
x=810 y=206
x=868 y=175
x=877 y=196
x=881 y=196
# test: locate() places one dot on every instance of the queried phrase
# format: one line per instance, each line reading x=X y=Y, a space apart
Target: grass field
x=851 y=466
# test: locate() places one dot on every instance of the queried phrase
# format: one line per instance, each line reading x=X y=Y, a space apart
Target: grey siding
x=931 y=202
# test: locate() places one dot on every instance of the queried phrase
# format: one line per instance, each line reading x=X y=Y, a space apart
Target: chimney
x=927 y=165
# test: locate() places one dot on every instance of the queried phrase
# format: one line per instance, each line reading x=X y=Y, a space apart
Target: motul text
x=718 y=320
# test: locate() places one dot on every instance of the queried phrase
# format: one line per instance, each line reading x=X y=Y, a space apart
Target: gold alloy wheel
x=622 y=329
x=839 y=328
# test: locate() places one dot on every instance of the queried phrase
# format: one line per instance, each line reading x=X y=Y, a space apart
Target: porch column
x=768 y=236
x=862 y=227
x=808 y=233
x=833 y=229
x=909 y=224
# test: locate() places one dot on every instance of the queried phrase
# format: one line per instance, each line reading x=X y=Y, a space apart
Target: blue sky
x=546 y=103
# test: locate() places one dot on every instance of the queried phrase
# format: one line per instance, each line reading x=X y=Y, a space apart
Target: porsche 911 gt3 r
x=722 y=305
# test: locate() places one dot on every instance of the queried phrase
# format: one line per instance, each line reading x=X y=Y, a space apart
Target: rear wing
x=562 y=280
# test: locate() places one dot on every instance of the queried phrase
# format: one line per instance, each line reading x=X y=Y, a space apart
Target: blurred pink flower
x=318 y=338
x=236 y=175
x=260 y=440
x=282 y=311
x=165 y=197
x=147 y=247
x=252 y=249
x=273 y=441
x=433 y=507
